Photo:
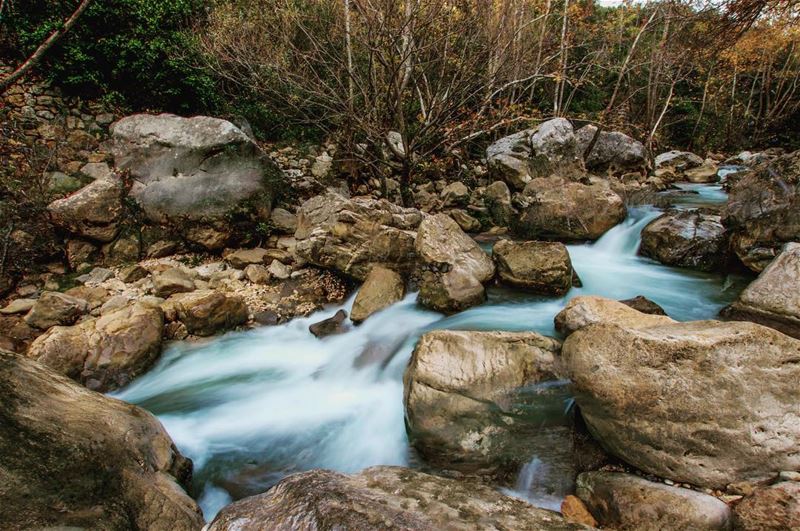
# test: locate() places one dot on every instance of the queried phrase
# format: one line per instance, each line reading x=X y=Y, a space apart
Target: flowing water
x=252 y=407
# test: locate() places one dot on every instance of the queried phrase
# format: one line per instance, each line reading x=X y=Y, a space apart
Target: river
x=251 y=407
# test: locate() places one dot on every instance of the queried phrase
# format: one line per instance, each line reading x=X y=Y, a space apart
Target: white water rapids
x=252 y=407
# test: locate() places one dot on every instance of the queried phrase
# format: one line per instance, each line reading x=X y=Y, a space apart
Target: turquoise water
x=252 y=407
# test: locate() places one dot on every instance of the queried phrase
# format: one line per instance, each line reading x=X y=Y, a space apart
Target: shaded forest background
x=442 y=74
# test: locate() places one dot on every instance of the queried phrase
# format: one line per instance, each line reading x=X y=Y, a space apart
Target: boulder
x=383 y=497
x=707 y=403
x=283 y=221
x=644 y=305
x=614 y=153
x=279 y=270
x=92 y=212
x=575 y=511
x=497 y=198
x=257 y=274
x=625 y=501
x=73 y=458
x=470 y=401
x=382 y=288
x=555 y=151
x=687 y=238
x=540 y=267
x=330 y=326
x=773 y=299
x=245 y=257
x=353 y=235
x=132 y=273
x=677 y=163
x=207 y=312
x=774 y=508
x=705 y=173
x=173 y=280
x=80 y=252
x=763 y=211
x=18 y=306
x=465 y=221
x=509 y=159
x=455 y=194
x=96 y=276
x=53 y=308
x=586 y=310
x=103 y=353
x=557 y=209
x=454 y=266
x=195 y=170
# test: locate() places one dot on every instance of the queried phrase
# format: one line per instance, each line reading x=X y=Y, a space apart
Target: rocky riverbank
x=189 y=229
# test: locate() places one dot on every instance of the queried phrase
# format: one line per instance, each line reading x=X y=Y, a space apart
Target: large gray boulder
x=677 y=163
x=687 y=238
x=454 y=266
x=207 y=312
x=103 y=353
x=773 y=299
x=75 y=459
x=551 y=149
x=380 y=498
x=625 y=501
x=54 y=308
x=470 y=403
x=353 y=235
x=558 y=209
x=92 y=212
x=198 y=169
x=707 y=403
x=763 y=211
x=614 y=153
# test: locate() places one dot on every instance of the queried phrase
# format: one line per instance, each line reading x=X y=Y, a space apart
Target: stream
x=251 y=407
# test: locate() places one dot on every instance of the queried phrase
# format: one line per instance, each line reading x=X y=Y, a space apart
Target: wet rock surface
x=540 y=267
x=380 y=497
x=621 y=376
x=686 y=239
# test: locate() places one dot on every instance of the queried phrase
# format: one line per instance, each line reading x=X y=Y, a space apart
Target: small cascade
x=625 y=238
x=541 y=485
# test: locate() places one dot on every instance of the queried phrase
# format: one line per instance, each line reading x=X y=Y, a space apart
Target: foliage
x=135 y=52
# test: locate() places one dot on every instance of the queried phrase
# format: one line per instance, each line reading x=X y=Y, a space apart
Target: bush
x=138 y=53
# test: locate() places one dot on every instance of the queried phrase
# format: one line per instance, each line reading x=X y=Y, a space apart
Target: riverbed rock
x=73 y=458
x=382 y=288
x=455 y=194
x=92 y=212
x=688 y=238
x=353 y=235
x=677 y=163
x=103 y=353
x=551 y=149
x=586 y=310
x=454 y=266
x=465 y=399
x=207 y=312
x=509 y=159
x=132 y=273
x=557 y=209
x=383 y=497
x=245 y=257
x=171 y=281
x=18 y=306
x=53 y=308
x=773 y=299
x=283 y=221
x=644 y=305
x=763 y=211
x=624 y=501
x=705 y=173
x=708 y=403
x=540 y=267
x=193 y=170
x=330 y=326
x=614 y=153
x=774 y=508
x=497 y=198
x=465 y=221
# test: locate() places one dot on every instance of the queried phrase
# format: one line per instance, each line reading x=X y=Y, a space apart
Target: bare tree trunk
x=37 y=55
x=660 y=117
x=559 y=89
x=349 y=45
